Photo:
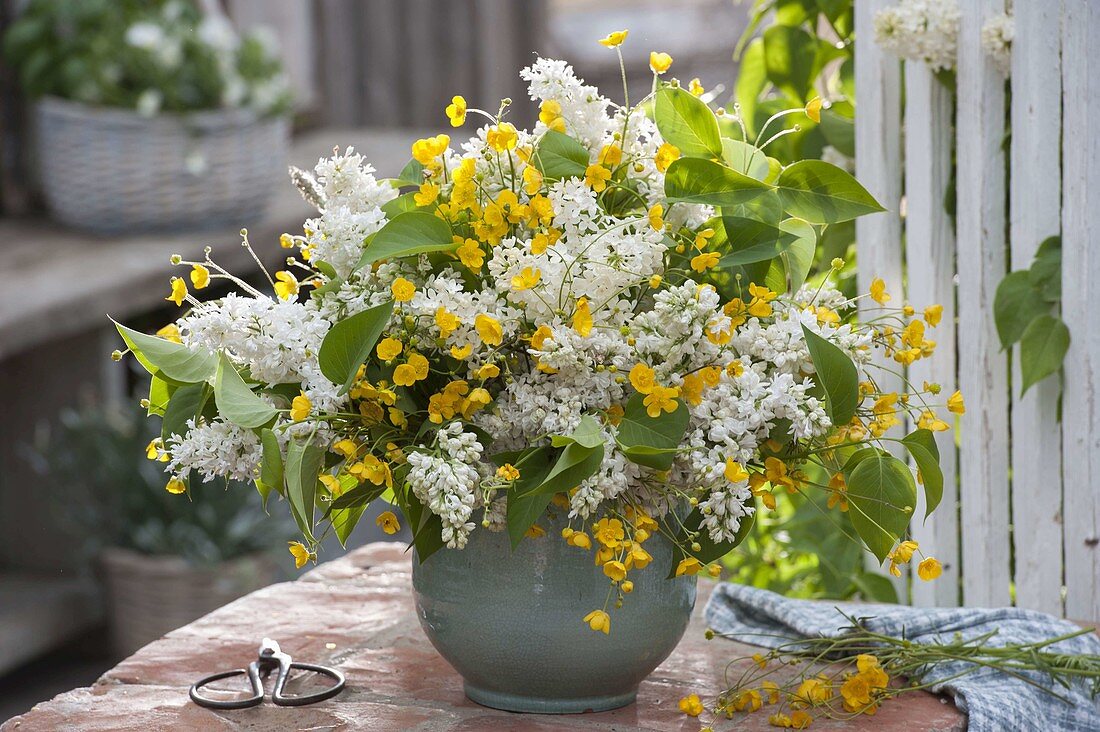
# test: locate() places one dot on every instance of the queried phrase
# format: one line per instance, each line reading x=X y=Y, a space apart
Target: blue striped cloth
x=991 y=699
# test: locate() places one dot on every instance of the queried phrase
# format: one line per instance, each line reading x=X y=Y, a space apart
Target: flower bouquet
x=563 y=355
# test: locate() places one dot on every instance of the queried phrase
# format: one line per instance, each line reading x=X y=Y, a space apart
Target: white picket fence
x=1020 y=518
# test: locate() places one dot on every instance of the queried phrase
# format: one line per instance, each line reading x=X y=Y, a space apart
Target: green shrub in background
x=147 y=55
x=108 y=493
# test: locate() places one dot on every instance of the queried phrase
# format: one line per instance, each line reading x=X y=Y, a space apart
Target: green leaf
x=402 y=204
x=587 y=434
x=349 y=343
x=789 y=54
x=1042 y=349
x=685 y=120
x=823 y=194
x=882 y=494
x=798 y=256
x=709 y=550
x=174 y=360
x=651 y=441
x=575 y=463
x=160 y=392
x=235 y=400
x=836 y=374
x=303 y=464
x=749 y=240
x=357 y=497
x=559 y=156
x=412 y=174
x=839 y=131
x=694 y=180
x=344 y=521
x=413 y=232
x=926 y=454
x=271 y=465
x=744 y=158
x=752 y=77
x=1046 y=269
x=427 y=528
x=526 y=505
x=1015 y=305
x=187 y=403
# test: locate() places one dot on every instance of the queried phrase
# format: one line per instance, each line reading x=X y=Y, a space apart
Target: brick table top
x=357 y=613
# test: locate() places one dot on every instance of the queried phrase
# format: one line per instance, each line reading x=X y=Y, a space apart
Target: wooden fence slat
x=983 y=374
x=930 y=253
x=339 y=61
x=1035 y=214
x=1080 y=290
x=878 y=167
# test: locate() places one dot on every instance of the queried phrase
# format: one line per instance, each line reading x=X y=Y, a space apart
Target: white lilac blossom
x=997 y=35
x=920 y=30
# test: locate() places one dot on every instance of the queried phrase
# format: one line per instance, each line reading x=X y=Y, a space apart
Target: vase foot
x=547 y=705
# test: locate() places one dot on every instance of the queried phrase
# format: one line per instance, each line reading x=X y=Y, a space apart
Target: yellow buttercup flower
x=642 y=378
x=689 y=566
x=955 y=403
x=346 y=447
x=179 y=291
x=878 y=291
x=813 y=109
x=489 y=330
x=705 y=261
x=526 y=279
x=667 y=153
x=286 y=285
x=550 y=115
x=582 y=318
x=609 y=532
x=616 y=38
x=286 y=241
x=461 y=352
x=615 y=570
x=735 y=472
x=508 y=472
x=692 y=389
x=413 y=370
x=175 y=486
x=538 y=338
x=502 y=137
x=427 y=194
x=696 y=87
x=300 y=407
x=610 y=155
x=301 y=554
x=386 y=520
x=402 y=290
x=200 y=276
x=170 y=332
x=656 y=217
x=929 y=569
x=596 y=177
x=691 y=705
x=933 y=314
x=748 y=701
x=488 y=371
x=532 y=180
x=659 y=62
x=447 y=322
x=456 y=111
x=662 y=398
x=599 y=621
x=471 y=254
x=388 y=349
x=427 y=149
x=929 y=421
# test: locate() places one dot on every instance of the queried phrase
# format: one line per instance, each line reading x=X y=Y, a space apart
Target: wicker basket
x=112 y=170
x=147 y=596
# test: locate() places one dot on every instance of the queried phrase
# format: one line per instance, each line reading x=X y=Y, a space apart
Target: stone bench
x=357 y=613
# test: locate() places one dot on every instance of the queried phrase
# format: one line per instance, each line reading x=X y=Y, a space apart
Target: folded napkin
x=993 y=700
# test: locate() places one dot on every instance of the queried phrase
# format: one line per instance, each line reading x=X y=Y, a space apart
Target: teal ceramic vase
x=510 y=622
